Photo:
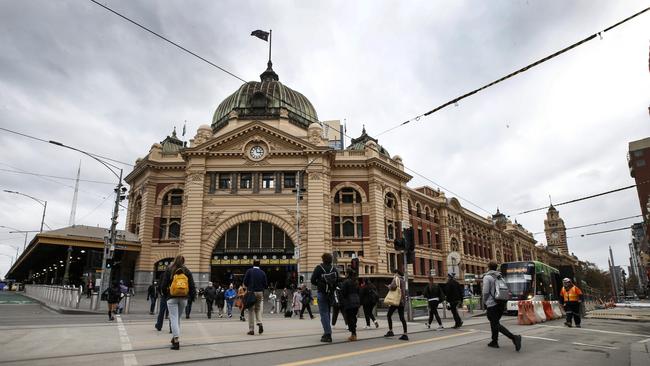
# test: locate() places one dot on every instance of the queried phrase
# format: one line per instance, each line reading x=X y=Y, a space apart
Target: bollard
x=444 y=309
x=93 y=300
x=127 y=303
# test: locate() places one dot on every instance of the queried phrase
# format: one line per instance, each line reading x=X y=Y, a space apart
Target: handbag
x=249 y=299
x=394 y=297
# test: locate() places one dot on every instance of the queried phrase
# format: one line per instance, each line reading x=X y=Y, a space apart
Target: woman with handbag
x=112 y=296
x=396 y=299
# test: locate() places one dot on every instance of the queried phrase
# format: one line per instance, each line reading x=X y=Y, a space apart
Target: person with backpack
x=255 y=282
x=306 y=300
x=398 y=284
x=434 y=295
x=230 y=295
x=325 y=277
x=112 y=296
x=351 y=302
x=210 y=294
x=369 y=299
x=152 y=296
x=454 y=292
x=495 y=296
x=178 y=286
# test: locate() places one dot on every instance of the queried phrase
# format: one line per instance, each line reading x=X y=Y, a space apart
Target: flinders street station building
x=267 y=180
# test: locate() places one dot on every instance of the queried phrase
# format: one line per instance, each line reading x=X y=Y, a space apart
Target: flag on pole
x=261 y=35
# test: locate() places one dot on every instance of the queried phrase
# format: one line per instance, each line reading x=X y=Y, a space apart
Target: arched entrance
x=240 y=245
x=160 y=267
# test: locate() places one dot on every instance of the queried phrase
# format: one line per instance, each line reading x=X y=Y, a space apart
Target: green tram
x=531 y=280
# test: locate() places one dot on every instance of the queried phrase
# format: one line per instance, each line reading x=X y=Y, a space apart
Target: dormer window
x=258 y=101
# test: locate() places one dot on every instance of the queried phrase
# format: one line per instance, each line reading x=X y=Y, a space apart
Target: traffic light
x=122 y=193
x=302 y=190
x=408 y=237
x=109 y=262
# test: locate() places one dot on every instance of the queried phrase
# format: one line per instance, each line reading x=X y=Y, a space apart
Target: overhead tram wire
x=584 y=198
x=595 y=224
x=523 y=69
x=53 y=176
x=605 y=231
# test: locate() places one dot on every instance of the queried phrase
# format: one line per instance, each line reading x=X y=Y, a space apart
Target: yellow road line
x=370 y=350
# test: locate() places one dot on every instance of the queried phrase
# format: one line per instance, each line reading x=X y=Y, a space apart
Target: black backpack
x=330 y=279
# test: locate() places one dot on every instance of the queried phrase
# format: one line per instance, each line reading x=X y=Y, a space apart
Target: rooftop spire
x=269 y=74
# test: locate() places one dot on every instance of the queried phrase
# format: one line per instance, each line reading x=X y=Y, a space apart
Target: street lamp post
x=41 y=202
x=109 y=247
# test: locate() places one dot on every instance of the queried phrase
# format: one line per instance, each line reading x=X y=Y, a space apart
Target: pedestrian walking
x=230 y=296
x=210 y=294
x=369 y=298
x=454 y=292
x=495 y=307
x=178 y=286
x=89 y=288
x=434 y=295
x=123 y=291
x=152 y=296
x=351 y=302
x=306 y=299
x=188 y=307
x=112 y=296
x=272 y=298
x=399 y=286
x=324 y=277
x=284 y=300
x=239 y=302
x=296 y=302
x=256 y=282
x=570 y=298
x=219 y=300
x=162 y=311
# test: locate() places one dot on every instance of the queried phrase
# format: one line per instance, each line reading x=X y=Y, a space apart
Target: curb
x=62 y=310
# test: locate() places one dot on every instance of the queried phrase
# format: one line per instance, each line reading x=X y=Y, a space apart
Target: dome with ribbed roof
x=263 y=100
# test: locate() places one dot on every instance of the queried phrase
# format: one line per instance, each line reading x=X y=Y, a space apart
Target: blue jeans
x=229 y=304
x=176 y=307
x=324 y=311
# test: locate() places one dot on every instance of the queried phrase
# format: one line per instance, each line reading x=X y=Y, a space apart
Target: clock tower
x=555 y=231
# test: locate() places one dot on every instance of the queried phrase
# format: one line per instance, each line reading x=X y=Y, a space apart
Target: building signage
x=244 y=262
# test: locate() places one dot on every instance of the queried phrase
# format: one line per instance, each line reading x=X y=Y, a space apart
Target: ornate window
x=254 y=236
x=224 y=180
x=418 y=210
x=289 y=180
x=390 y=200
x=173 y=198
x=390 y=230
x=268 y=180
x=454 y=245
x=347 y=195
x=436 y=218
x=246 y=181
x=169 y=227
x=348 y=227
x=427 y=213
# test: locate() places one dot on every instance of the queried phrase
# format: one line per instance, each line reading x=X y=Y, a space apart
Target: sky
x=72 y=72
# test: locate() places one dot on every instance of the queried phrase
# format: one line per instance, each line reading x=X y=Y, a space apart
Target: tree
x=632 y=283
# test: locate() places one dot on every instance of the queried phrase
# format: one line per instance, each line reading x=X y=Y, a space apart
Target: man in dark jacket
x=434 y=295
x=219 y=300
x=454 y=292
x=306 y=301
x=255 y=281
x=351 y=302
x=162 y=311
x=324 y=301
x=152 y=296
x=210 y=294
x=369 y=299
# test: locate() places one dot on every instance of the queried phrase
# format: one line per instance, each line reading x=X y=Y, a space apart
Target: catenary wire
x=595 y=224
x=523 y=69
x=54 y=176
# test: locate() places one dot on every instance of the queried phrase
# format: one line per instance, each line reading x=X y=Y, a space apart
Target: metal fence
x=67 y=296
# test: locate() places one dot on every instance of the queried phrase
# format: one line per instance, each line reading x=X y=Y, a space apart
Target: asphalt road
x=33 y=335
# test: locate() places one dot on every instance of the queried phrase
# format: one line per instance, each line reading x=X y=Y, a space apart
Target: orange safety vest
x=573 y=294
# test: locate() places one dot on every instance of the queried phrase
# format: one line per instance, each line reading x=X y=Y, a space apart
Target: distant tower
x=73 y=210
x=555 y=231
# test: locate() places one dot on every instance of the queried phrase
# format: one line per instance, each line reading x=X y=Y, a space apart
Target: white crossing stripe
x=594 y=345
x=127 y=358
x=542 y=338
x=596 y=330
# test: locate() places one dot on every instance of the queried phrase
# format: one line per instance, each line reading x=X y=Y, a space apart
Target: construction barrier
x=539 y=311
x=548 y=310
x=526 y=313
x=557 y=309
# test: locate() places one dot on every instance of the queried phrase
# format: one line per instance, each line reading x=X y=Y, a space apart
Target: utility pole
x=109 y=246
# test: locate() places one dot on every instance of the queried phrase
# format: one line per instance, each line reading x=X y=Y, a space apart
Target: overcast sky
x=71 y=71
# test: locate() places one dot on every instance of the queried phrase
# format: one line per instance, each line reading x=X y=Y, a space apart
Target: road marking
x=127 y=358
x=598 y=331
x=593 y=345
x=370 y=350
x=542 y=338
x=645 y=341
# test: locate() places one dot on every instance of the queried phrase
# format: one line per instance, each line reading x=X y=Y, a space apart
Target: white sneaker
x=428 y=325
x=440 y=327
x=366 y=327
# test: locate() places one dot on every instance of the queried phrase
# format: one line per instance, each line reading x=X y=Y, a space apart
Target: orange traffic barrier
x=530 y=312
x=522 y=318
x=548 y=310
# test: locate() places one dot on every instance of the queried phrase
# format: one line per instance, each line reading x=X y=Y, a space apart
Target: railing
x=66 y=296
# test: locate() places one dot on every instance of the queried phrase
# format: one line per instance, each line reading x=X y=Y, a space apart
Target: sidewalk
x=625 y=314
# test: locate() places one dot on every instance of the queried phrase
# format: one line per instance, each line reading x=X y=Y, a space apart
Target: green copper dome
x=263 y=100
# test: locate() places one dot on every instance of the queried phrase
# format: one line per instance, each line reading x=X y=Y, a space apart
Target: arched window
x=436 y=218
x=427 y=213
x=347 y=195
x=169 y=227
x=409 y=206
x=347 y=227
x=173 y=198
x=251 y=235
x=390 y=231
x=454 y=244
x=174 y=230
x=418 y=210
x=390 y=200
x=135 y=216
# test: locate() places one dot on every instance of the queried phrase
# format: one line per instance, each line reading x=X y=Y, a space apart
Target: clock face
x=257 y=152
x=554 y=235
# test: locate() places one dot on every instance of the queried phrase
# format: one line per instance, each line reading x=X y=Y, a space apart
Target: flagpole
x=270 y=41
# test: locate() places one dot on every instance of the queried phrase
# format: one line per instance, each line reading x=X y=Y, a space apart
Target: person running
x=272 y=299
x=284 y=300
x=256 y=282
x=399 y=284
x=305 y=292
x=369 y=299
x=219 y=300
x=454 y=292
x=323 y=277
x=296 y=302
x=178 y=285
x=570 y=298
x=434 y=295
x=496 y=307
x=112 y=296
x=230 y=295
x=351 y=302
x=152 y=296
x=210 y=294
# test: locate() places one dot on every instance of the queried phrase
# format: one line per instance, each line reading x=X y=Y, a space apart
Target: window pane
x=245 y=181
x=243 y=235
x=348 y=228
x=255 y=234
x=289 y=180
x=162 y=230
x=224 y=181
x=231 y=238
x=174 y=230
x=268 y=180
x=267 y=235
x=278 y=237
x=348 y=198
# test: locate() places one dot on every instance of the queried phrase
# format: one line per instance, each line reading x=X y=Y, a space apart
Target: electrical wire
x=523 y=69
x=595 y=224
x=604 y=232
x=54 y=176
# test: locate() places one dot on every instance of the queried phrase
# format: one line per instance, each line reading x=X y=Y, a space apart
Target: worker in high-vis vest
x=571 y=297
